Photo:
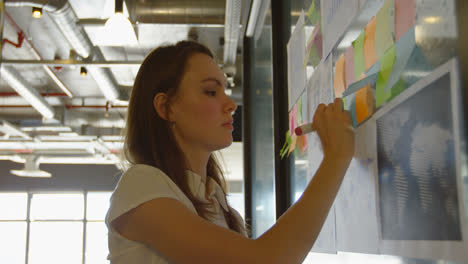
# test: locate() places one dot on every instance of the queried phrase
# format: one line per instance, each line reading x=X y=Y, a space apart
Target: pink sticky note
x=304 y=144
x=292 y=120
x=404 y=17
x=349 y=65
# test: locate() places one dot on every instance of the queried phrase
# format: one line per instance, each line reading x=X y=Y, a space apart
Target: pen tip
x=298 y=131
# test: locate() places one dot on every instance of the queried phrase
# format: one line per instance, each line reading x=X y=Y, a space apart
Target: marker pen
x=304 y=129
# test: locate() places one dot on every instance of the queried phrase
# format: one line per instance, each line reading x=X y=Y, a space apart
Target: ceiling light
x=118 y=29
x=37 y=12
x=31 y=169
x=432 y=19
x=83 y=71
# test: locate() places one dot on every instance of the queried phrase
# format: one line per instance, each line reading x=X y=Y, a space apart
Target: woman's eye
x=211 y=93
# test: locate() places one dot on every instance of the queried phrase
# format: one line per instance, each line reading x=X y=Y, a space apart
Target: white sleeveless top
x=142 y=183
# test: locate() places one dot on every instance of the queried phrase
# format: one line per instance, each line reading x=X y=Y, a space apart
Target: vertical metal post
x=281 y=31
x=85 y=201
x=462 y=44
x=28 y=227
x=246 y=135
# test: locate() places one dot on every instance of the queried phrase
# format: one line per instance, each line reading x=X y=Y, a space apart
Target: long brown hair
x=149 y=139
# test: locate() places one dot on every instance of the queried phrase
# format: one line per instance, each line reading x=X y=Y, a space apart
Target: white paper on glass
x=355 y=204
x=319 y=90
x=337 y=15
x=296 y=54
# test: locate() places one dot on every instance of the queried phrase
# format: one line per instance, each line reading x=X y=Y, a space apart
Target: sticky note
x=304 y=144
x=371 y=79
x=292 y=120
x=313 y=14
x=314 y=48
x=364 y=103
x=286 y=146
x=339 y=81
x=349 y=105
x=384 y=29
x=305 y=108
x=293 y=143
x=369 y=43
x=299 y=111
x=386 y=66
x=359 y=63
x=404 y=50
x=349 y=66
x=404 y=17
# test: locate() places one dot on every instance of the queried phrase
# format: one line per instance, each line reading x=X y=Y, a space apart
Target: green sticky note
x=359 y=63
x=386 y=66
x=384 y=28
x=287 y=143
x=312 y=14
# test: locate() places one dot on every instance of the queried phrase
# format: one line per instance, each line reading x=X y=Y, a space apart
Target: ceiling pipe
x=36 y=54
x=207 y=12
x=232 y=30
x=66 y=20
x=22 y=87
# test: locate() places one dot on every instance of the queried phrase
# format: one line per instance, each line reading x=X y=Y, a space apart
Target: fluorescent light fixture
x=256 y=4
x=31 y=173
x=432 y=19
x=31 y=169
x=47 y=128
x=301 y=162
x=118 y=31
x=11 y=130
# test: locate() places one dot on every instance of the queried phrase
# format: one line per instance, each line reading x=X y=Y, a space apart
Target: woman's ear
x=160 y=105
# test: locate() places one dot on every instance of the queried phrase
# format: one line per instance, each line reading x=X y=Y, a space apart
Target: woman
x=170 y=206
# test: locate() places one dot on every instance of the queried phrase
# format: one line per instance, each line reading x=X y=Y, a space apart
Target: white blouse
x=142 y=183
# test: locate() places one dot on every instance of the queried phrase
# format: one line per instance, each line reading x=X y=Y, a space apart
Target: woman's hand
x=334 y=127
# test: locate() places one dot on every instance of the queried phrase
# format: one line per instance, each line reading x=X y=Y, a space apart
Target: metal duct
x=177 y=12
x=63 y=15
x=231 y=30
x=17 y=82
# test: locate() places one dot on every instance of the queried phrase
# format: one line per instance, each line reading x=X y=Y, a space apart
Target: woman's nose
x=231 y=106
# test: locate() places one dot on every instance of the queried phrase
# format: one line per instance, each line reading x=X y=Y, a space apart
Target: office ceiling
x=80 y=118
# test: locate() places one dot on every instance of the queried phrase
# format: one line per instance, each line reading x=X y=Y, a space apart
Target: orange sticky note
x=339 y=82
x=370 y=57
x=364 y=103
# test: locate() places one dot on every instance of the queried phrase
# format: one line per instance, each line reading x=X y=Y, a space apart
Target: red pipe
x=67 y=106
x=20 y=40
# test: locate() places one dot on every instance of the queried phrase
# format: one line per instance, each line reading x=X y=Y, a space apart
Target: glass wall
x=260 y=127
x=435 y=36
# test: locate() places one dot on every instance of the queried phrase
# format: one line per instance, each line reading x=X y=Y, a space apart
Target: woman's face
x=201 y=110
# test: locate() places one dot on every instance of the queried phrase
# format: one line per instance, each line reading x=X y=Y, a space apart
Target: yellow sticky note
x=384 y=29
x=364 y=103
x=339 y=82
x=370 y=56
x=359 y=63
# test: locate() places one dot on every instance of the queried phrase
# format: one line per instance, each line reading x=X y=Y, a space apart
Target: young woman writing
x=170 y=206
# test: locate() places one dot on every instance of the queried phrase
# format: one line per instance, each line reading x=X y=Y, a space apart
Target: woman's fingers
x=338 y=105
